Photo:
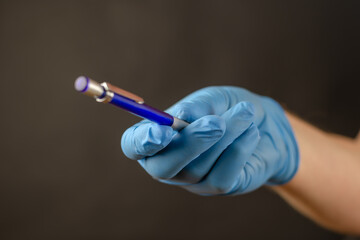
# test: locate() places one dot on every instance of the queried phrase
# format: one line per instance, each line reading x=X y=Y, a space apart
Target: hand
x=237 y=141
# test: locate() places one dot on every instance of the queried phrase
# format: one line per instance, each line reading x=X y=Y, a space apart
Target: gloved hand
x=237 y=141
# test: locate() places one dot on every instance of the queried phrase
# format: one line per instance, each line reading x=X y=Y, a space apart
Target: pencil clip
x=122 y=92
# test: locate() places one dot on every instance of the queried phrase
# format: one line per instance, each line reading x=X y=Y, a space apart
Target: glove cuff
x=290 y=162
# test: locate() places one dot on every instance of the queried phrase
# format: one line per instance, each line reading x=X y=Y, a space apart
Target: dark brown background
x=62 y=172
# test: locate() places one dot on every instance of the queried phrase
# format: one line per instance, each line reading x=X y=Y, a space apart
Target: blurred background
x=62 y=172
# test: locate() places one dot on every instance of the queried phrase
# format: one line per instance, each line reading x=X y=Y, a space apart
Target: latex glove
x=237 y=141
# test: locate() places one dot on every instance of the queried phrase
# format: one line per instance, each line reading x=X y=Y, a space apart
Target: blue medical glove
x=237 y=141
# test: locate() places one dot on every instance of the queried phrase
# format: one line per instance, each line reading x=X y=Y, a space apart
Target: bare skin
x=327 y=186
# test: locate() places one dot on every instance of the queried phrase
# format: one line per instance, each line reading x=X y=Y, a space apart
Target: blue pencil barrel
x=142 y=110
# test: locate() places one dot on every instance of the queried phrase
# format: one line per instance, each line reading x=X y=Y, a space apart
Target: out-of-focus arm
x=327 y=186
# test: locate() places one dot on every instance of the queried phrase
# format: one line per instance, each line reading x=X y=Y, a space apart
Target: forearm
x=327 y=186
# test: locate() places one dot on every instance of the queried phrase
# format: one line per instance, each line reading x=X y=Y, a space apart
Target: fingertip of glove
x=145 y=140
